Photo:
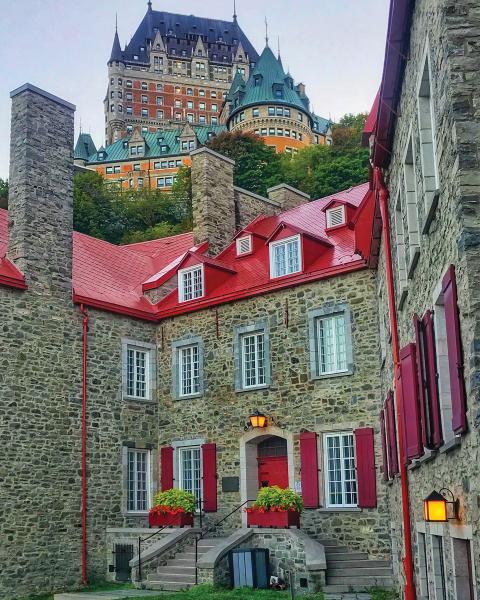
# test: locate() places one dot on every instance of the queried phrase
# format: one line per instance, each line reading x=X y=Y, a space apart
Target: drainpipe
x=84 y=447
x=382 y=191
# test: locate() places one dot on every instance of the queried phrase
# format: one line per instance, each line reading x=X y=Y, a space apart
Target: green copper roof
x=238 y=82
x=84 y=147
x=268 y=83
x=159 y=144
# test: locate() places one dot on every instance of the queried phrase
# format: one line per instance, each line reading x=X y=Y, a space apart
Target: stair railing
x=215 y=525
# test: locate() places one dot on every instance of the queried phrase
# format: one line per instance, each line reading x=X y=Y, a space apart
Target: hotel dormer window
x=285 y=257
x=335 y=216
x=244 y=245
x=190 y=283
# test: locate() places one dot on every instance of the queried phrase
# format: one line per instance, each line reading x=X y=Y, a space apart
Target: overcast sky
x=335 y=47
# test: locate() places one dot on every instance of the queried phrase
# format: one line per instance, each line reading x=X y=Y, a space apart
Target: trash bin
x=249 y=567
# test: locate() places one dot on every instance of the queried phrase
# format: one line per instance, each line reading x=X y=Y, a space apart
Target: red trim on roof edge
x=13 y=283
x=121 y=310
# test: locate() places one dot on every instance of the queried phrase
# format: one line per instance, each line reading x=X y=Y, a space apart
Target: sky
x=335 y=47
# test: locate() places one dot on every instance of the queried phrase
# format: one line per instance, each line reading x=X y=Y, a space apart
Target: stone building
x=269 y=104
x=128 y=369
x=425 y=155
x=176 y=68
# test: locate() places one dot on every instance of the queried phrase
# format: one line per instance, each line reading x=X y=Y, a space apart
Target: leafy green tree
x=347 y=133
x=181 y=197
x=3 y=193
x=257 y=166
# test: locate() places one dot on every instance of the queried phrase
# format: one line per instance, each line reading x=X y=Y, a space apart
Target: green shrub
x=175 y=499
x=276 y=498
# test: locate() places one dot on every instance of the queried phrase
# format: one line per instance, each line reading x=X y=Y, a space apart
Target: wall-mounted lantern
x=256 y=420
x=435 y=506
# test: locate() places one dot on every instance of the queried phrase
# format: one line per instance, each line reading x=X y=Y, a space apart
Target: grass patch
x=382 y=594
x=206 y=592
x=96 y=586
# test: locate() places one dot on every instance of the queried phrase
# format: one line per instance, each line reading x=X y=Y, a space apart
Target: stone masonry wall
x=295 y=401
x=453 y=32
x=248 y=206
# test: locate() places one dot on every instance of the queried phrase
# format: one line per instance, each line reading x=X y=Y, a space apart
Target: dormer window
x=257 y=80
x=335 y=216
x=190 y=283
x=244 y=245
x=285 y=257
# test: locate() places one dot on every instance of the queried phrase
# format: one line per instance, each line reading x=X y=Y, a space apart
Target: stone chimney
x=41 y=189
x=213 y=199
x=287 y=196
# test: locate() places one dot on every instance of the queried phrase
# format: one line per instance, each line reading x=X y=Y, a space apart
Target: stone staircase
x=179 y=572
x=350 y=573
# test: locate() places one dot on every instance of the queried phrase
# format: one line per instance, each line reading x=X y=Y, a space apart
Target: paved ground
x=111 y=595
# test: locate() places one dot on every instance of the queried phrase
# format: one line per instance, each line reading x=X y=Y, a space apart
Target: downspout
x=383 y=194
x=84 y=447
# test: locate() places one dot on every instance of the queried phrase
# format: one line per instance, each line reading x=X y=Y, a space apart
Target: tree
x=257 y=166
x=3 y=193
x=347 y=133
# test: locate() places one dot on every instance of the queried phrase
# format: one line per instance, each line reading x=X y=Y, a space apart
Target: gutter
x=84 y=448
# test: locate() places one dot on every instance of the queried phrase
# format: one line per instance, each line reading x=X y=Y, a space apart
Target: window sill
x=139 y=400
x=433 y=198
x=332 y=375
x=188 y=397
x=342 y=509
x=252 y=389
x=427 y=457
x=451 y=444
x=136 y=513
x=413 y=262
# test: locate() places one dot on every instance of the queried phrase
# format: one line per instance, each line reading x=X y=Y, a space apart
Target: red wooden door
x=273 y=470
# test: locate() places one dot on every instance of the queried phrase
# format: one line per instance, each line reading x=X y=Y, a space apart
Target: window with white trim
x=138 y=480
x=438 y=554
x=285 y=257
x=190 y=283
x=253 y=360
x=190 y=470
x=189 y=370
x=335 y=216
x=340 y=475
x=137 y=372
x=244 y=245
x=331 y=344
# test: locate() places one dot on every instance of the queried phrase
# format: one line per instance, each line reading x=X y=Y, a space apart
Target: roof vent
x=244 y=245
x=336 y=216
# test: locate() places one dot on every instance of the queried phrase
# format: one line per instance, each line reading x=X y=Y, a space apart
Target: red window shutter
x=454 y=344
x=436 y=437
x=365 y=460
x=166 y=463
x=411 y=403
x=422 y=383
x=209 y=460
x=391 y=436
x=384 y=446
x=309 y=469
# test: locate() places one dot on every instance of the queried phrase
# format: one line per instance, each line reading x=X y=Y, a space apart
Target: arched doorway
x=272 y=462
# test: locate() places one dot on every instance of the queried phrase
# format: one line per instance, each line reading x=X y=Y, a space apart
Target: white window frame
x=148 y=480
x=181 y=283
x=256 y=335
x=180 y=451
x=137 y=350
x=318 y=321
x=331 y=211
x=284 y=242
x=244 y=239
x=181 y=381
x=341 y=435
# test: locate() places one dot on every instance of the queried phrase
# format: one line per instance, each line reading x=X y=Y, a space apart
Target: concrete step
x=348 y=571
x=167 y=576
x=347 y=596
x=356 y=564
x=171 y=567
x=168 y=586
x=336 y=549
x=338 y=591
x=346 y=556
x=359 y=583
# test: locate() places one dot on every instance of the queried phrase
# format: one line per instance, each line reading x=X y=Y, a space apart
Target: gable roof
x=183 y=27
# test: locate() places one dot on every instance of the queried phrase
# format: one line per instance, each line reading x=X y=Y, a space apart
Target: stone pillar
x=287 y=196
x=212 y=199
x=41 y=188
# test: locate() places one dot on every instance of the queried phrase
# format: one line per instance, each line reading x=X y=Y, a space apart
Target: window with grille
x=253 y=360
x=137 y=373
x=285 y=257
x=189 y=370
x=335 y=216
x=340 y=477
x=190 y=284
x=190 y=468
x=138 y=483
x=331 y=341
x=244 y=245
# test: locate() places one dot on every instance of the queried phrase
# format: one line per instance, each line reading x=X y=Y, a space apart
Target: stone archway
x=248 y=460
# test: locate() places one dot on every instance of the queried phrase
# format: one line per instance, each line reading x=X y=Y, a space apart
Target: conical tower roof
x=116 y=55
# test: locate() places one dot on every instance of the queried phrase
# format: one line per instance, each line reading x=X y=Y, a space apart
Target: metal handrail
x=210 y=529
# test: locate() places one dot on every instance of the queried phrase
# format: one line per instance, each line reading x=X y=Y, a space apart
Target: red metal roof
x=9 y=274
x=111 y=277
x=371 y=122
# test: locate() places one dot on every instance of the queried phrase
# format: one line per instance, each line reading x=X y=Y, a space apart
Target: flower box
x=162 y=519
x=281 y=519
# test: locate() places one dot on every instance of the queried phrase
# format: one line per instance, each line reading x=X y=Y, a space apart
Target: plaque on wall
x=230 y=484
